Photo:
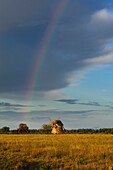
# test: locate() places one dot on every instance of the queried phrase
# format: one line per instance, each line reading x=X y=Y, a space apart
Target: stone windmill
x=57 y=126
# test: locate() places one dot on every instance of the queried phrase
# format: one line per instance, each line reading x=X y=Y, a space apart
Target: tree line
x=46 y=129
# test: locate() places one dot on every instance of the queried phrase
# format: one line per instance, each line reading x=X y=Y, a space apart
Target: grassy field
x=74 y=151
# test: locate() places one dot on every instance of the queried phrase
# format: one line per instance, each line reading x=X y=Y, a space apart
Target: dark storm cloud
x=5 y=104
x=91 y=104
x=24 y=12
x=95 y=104
x=81 y=34
x=41 y=105
x=76 y=101
x=69 y=101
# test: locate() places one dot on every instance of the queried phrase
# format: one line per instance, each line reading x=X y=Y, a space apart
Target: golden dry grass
x=74 y=151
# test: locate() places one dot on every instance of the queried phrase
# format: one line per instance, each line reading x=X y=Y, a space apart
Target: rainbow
x=43 y=48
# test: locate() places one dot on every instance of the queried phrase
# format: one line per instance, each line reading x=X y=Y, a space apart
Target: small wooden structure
x=57 y=126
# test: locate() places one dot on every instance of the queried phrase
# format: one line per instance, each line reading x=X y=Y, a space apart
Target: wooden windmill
x=57 y=126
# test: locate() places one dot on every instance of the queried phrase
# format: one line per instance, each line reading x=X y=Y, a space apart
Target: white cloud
x=101 y=20
x=100 y=59
x=102 y=15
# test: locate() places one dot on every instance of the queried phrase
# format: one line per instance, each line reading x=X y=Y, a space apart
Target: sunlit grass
x=74 y=151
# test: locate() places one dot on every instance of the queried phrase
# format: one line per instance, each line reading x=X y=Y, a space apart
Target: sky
x=56 y=59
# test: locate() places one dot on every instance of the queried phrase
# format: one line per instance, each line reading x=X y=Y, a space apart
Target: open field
x=74 y=151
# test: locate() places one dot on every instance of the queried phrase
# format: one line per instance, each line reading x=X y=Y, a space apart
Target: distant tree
x=65 y=131
x=33 y=131
x=111 y=131
x=42 y=131
x=4 y=129
x=47 y=128
x=13 y=132
x=23 y=128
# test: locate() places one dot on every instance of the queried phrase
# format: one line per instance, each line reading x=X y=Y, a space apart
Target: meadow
x=67 y=151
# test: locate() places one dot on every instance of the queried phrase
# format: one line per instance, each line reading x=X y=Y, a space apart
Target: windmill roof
x=58 y=122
